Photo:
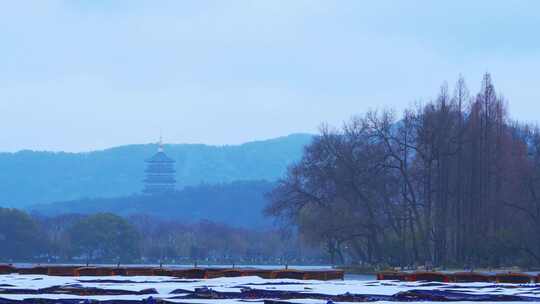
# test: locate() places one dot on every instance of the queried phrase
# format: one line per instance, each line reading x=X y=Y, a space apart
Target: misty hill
x=237 y=204
x=30 y=177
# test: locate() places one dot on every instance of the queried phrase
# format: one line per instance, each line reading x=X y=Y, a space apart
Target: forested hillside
x=237 y=204
x=30 y=177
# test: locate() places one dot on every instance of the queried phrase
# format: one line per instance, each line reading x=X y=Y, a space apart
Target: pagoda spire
x=160 y=172
x=160 y=144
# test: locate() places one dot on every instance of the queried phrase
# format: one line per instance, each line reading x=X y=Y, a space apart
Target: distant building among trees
x=160 y=173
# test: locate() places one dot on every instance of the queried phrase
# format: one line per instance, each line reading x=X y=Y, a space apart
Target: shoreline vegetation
x=452 y=182
x=143 y=239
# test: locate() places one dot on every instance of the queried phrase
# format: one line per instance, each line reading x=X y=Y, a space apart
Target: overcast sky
x=87 y=75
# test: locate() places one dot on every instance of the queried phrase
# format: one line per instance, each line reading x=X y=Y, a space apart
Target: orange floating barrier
x=468 y=277
x=95 y=271
x=288 y=274
x=324 y=275
x=513 y=277
x=33 y=270
x=223 y=273
x=428 y=276
x=66 y=271
x=336 y=274
x=193 y=273
x=458 y=277
x=162 y=272
x=392 y=275
x=7 y=269
x=138 y=271
x=118 y=271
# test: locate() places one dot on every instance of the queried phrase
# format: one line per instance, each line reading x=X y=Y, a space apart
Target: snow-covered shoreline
x=170 y=289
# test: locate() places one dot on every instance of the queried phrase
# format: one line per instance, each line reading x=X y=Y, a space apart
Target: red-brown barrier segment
x=458 y=277
x=288 y=274
x=68 y=271
x=7 y=269
x=392 y=275
x=469 y=277
x=223 y=273
x=324 y=275
x=162 y=272
x=95 y=271
x=193 y=273
x=518 y=278
x=429 y=276
x=34 y=270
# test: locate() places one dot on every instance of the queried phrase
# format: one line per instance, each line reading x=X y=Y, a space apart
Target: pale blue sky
x=85 y=75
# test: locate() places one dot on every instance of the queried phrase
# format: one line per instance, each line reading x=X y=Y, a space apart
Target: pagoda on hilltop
x=160 y=173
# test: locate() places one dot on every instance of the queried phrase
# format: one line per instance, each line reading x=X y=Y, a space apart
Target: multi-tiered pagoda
x=159 y=173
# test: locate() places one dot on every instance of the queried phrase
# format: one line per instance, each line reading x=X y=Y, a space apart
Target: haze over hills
x=32 y=177
x=238 y=204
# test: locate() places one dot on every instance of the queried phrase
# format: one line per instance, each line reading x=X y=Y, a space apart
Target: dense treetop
x=20 y=237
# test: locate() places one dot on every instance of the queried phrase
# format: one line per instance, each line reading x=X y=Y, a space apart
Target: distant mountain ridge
x=30 y=177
